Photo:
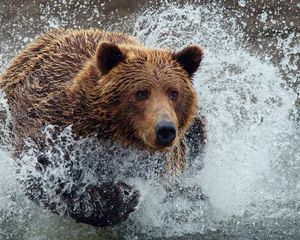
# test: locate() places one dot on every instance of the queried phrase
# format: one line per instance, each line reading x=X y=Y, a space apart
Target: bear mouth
x=156 y=147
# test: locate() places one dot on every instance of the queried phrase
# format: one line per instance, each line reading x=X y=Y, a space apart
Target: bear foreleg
x=99 y=205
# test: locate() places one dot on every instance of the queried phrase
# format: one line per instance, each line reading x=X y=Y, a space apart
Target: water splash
x=252 y=161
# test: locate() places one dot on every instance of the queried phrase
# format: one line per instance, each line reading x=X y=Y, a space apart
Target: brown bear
x=106 y=86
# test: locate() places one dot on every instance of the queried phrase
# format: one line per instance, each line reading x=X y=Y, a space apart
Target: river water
x=252 y=160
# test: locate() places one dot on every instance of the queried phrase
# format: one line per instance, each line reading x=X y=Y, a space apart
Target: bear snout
x=165 y=133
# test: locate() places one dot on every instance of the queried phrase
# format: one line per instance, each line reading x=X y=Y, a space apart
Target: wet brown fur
x=57 y=80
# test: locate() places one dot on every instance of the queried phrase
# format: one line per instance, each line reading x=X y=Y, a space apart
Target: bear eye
x=142 y=95
x=173 y=95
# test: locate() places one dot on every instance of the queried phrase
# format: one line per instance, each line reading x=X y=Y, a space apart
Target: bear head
x=147 y=95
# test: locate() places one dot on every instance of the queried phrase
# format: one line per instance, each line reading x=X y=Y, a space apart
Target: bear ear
x=189 y=58
x=108 y=56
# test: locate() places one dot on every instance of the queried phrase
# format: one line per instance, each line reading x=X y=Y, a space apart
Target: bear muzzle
x=165 y=132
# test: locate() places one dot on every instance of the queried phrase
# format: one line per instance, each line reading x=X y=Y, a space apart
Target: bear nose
x=165 y=133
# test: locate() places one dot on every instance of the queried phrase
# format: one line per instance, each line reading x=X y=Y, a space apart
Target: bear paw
x=105 y=205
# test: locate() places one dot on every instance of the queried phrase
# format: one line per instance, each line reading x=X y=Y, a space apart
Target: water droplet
x=242 y=3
